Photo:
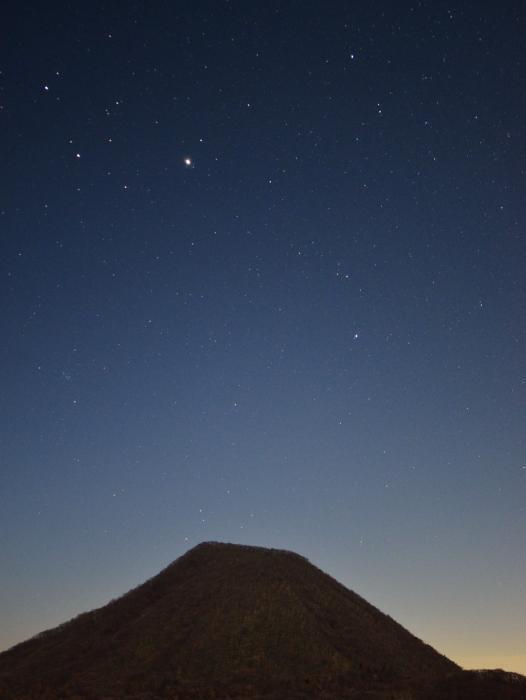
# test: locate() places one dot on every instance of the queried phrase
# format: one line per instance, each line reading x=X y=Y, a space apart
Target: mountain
x=231 y=621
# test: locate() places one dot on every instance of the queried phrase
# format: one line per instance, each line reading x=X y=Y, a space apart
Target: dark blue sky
x=262 y=281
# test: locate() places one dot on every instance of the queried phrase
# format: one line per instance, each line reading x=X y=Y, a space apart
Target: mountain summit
x=230 y=621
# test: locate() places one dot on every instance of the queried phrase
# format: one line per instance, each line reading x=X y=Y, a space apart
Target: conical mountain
x=225 y=621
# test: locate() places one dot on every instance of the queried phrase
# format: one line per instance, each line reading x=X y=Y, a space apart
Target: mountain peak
x=214 y=545
x=225 y=620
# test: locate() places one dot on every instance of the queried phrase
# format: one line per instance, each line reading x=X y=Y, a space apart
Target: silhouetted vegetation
x=228 y=621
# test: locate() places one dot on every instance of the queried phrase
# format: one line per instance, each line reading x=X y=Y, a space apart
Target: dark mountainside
x=231 y=621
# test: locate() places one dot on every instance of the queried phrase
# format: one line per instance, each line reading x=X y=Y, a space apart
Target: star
x=188 y=162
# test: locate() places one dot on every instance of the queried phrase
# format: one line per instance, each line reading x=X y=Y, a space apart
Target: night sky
x=262 y=281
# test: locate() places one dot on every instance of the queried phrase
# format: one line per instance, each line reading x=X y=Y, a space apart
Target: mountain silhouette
x=234 y=621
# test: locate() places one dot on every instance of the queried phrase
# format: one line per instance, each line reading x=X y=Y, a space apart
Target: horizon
x=263 y=281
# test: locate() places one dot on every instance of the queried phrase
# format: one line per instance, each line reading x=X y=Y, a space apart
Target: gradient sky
x=263 y=281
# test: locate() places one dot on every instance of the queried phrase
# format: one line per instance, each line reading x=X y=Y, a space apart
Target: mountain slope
x=224 y=621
